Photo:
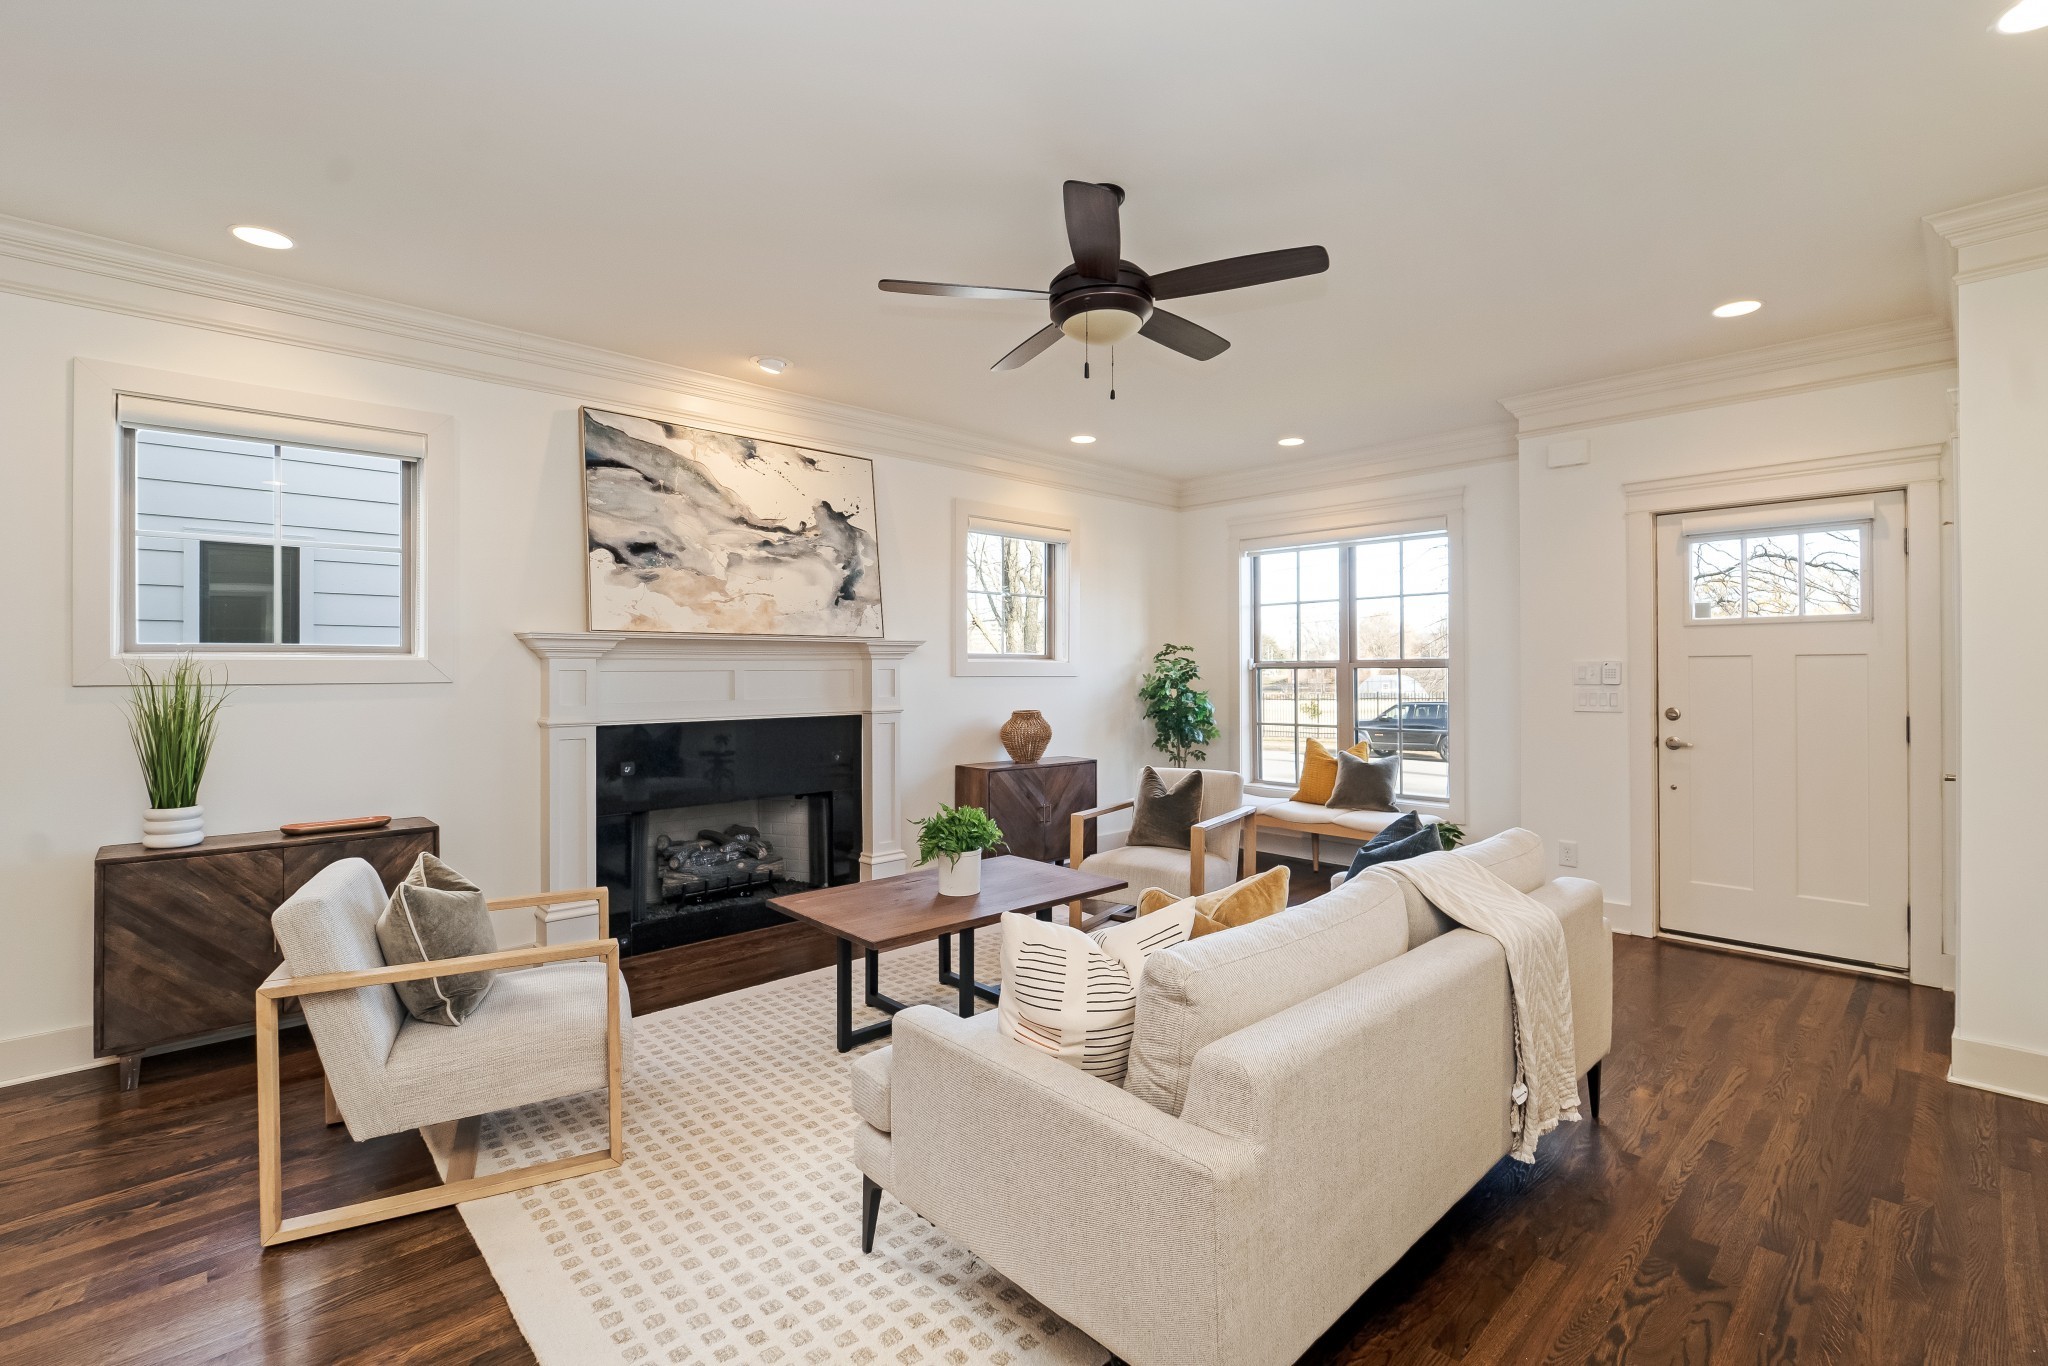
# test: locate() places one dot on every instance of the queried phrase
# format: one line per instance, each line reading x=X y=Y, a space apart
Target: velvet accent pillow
x=1319 y=771
x=1240 y=903
x=1364 y=784
x=1165 y=814
x=1404 y=838
x=436 y=912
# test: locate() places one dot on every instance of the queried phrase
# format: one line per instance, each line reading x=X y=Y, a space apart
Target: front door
x=1782 y=727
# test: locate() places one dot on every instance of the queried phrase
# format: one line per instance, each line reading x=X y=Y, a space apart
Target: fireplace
x=700 y=823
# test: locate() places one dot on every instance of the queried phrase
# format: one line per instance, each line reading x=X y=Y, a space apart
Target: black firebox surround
x=647 y=768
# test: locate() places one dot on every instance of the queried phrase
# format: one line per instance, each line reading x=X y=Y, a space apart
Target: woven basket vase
x=1025 y=736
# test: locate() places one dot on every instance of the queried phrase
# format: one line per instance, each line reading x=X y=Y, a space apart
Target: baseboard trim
x=2009 y=1071
x=31 y=1057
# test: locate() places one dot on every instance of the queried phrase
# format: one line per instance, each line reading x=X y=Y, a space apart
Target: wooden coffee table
x=892 y=912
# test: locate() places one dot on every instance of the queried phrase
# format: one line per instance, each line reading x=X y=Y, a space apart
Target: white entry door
x=1782 y=727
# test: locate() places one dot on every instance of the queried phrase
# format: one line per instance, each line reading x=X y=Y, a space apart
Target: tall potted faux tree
x=1183 y=721
x=957 y=836
x=172 y=719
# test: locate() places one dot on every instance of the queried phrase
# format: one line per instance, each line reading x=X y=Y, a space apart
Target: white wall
x=1487 y=730
x=1575 y=587
x=468 y=753
x=2001 y=1035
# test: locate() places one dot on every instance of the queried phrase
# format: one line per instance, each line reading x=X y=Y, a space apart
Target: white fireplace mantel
x=605 y=678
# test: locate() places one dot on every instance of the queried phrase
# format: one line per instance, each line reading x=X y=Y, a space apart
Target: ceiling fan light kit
x=1102 y=299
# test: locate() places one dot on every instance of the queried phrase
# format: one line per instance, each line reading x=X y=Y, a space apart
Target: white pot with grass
x=172 y=719
x=955 y=837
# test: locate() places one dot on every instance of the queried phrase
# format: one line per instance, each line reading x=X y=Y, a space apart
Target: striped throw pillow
x=1075 y=995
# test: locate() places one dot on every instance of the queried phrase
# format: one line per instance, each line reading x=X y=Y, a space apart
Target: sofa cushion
x=870 y=1076
x=1211 y=987
x=1074 y=995
x=1240 y=903
x=1365 y=823
x=1164 y=814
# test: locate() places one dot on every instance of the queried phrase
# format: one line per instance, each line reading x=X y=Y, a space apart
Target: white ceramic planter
x=173 y=827
x=960 y=876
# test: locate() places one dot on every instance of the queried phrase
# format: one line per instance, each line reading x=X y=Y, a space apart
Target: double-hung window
x=1351 y=644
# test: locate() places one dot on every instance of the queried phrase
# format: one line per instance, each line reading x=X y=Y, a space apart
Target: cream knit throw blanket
x=1546 y=1085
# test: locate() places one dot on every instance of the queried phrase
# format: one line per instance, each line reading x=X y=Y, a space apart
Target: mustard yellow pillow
x=1319 y=771
x=1240 y=903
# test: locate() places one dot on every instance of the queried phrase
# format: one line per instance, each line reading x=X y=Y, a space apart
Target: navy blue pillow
x=1403 y=838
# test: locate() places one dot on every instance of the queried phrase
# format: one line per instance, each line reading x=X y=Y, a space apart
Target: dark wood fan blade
x=1032 y=345
x=1261 y=268
x=960 y=291
x=1190 y=339
x=1092 y=229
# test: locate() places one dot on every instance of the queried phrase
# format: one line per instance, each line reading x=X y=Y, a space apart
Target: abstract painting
x=692 y=530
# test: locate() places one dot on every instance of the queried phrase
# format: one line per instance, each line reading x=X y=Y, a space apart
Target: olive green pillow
x=1165 y=814
x=1364 y=784
x=436 y=913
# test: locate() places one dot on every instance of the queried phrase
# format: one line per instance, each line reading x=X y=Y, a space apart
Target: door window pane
x=1771 y=576
x=1716 y=579
x=1834 y=572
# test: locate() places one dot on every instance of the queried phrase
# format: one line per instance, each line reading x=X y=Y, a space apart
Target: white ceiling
x=1514 y=195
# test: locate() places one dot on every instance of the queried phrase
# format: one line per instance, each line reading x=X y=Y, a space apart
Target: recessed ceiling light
x=1292 y=440
x=1738 y=308
x=2024 y=17
x=774 y=365
x=1083 y=440
x=262 y=237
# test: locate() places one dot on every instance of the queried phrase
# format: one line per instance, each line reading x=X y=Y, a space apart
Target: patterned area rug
x=732 y=1233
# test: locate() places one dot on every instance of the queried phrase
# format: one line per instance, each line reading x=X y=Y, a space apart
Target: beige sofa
x=1307 y=1095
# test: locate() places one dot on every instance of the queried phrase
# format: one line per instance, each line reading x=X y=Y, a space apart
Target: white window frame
x=1688 y=538
x=1424 y=512
x=102 y=526
x=1057 y=531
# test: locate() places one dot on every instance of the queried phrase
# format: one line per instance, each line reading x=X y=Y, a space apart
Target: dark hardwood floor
x=1782 y=1176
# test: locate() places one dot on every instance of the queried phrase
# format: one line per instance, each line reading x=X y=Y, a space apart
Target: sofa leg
x=1593 y=1091
x=870 y=1209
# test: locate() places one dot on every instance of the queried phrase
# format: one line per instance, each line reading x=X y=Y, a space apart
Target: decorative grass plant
x=952 y=831
x=172 y=719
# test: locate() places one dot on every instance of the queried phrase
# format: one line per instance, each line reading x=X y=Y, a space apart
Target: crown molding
x=1852 y=357
x=1481 y=445
x=41 y=261
x=1996 y=237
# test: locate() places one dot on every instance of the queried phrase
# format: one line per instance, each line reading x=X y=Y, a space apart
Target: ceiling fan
x=1103 y=299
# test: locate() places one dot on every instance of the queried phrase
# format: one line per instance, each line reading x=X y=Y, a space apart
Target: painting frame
x=691 y=530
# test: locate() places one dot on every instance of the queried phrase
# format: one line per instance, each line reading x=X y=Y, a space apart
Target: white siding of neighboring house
x=344 y=512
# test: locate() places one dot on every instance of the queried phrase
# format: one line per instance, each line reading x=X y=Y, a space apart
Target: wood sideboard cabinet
x=1031 y=802
x=181 y=937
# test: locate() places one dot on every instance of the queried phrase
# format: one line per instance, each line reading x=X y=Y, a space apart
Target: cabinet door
x=391 y=854
x=184 y=944
x=1032 y=806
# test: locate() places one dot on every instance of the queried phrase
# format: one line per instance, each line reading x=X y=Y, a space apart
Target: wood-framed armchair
x=551 y=1026
x=1211 y=859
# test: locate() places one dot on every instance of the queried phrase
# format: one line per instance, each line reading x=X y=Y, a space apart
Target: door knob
x=1673 y=742
x=1671 y=713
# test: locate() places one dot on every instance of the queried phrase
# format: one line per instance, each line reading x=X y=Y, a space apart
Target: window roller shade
x=136 y=410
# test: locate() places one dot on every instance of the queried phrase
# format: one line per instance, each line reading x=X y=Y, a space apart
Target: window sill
x=264 y=670
x=991 y=666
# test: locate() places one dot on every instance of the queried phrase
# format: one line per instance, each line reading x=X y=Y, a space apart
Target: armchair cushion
x=436 y=912
x=1166 y=812
x=541 y=1035
x=1142 y=865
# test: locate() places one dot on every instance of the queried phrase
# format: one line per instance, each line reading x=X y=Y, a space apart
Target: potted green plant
x=172 y=719
x=956 y=836
x=1183 y=721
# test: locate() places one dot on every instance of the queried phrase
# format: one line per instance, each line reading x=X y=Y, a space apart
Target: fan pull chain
x=1112 y=374
x=1085 y=330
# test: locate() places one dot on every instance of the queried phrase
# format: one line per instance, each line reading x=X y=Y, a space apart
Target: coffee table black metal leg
x=967 y=982
x=849 y=1037
x=950 y=978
